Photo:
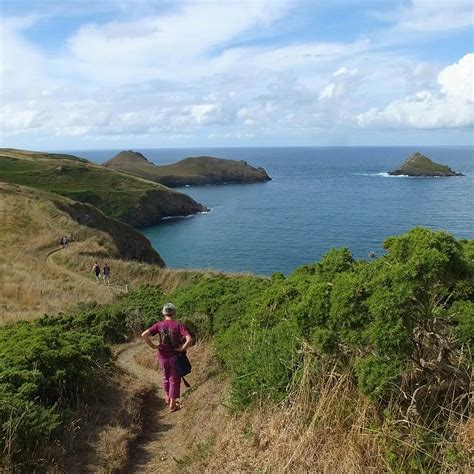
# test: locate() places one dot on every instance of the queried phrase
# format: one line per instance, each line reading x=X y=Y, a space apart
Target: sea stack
x=419 y=165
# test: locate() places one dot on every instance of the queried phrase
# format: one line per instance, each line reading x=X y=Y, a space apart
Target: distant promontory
x=421 y=166
x=194 y=171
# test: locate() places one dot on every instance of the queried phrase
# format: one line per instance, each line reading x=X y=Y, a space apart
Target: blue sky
x=139 y=73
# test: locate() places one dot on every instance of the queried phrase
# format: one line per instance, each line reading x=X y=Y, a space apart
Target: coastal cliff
x=127 y=198
x=193 y=171
x=419 y=165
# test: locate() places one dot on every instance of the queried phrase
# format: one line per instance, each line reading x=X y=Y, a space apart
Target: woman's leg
x=165 y=367
x=174 y=384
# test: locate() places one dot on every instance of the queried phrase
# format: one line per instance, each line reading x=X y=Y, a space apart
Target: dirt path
x=76 y=275
x=169 y=442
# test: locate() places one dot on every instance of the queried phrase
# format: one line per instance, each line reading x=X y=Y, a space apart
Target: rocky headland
x=194 y=171
x=419 y=165
x=127 y=198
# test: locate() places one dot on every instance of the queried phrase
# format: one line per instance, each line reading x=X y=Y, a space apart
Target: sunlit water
x=319 y=198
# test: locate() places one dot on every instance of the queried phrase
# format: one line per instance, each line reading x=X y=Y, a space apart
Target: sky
x=83 y=74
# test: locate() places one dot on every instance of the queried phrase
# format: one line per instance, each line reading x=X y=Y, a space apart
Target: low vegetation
x=343 y=364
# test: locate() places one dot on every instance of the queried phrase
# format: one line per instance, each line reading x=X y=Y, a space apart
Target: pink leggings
x=171 y=379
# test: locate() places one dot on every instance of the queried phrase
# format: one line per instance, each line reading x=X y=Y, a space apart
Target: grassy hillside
x=190 y=171
x=31 y=223
x=131 y=200
x=344 y=366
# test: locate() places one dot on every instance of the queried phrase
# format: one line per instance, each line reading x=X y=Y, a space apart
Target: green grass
x=422 y=163
x=118 y=195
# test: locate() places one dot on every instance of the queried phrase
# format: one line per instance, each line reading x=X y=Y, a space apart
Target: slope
x=129 y=199
x=31 y=223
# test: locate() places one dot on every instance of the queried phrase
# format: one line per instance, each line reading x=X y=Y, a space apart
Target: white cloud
x=457 y=80
x=171 y=45
x=343 y=80
x=194 y=68
x=451 y=106
x=430 y=15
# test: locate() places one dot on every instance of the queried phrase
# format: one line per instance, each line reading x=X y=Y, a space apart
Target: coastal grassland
x=30 y=228
x=420 y=162
x=32 y=279
x=129 y=199
x=343 y=366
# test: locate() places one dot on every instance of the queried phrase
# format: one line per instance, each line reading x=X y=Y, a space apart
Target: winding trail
x=168 y=440
x=74 y=274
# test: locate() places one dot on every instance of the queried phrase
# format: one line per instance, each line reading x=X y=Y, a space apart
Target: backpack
x=169 y=338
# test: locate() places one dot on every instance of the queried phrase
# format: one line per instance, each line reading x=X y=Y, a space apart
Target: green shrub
x=377 y=376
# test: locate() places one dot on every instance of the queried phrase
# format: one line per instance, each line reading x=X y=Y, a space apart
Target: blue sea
x=319 y=198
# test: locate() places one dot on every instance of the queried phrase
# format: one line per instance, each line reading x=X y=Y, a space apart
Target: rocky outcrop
x=131 y=244
x=194 y=171
x=157 y=204
x=125 y=157
x=419 y=165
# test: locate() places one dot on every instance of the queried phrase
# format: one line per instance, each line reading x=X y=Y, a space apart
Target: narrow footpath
x=79 y=277
x=170 y=441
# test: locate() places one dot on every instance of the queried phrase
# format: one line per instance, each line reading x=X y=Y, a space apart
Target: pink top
x=177 y=331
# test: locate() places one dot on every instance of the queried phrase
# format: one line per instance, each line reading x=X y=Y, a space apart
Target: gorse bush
x=403 y=322
x=46 y=366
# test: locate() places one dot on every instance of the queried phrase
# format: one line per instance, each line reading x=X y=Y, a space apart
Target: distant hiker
x=62 y=241
x=106 y=274
x=174 y=340
x=96 y=270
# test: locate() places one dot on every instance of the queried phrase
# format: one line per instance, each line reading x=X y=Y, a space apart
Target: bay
x=319 y=198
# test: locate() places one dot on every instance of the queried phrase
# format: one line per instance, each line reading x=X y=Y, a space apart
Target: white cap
x=168 y=308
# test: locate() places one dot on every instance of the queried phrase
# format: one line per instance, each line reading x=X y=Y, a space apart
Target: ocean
x=319 y=198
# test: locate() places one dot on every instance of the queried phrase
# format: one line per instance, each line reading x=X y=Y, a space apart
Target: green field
x=118 y=195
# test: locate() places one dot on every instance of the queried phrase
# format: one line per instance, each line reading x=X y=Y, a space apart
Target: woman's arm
x=188 y=342
x=147 y=338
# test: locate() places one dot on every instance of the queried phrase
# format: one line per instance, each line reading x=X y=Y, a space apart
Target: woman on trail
x=174 y=337
x=96 y=270
x=106 y=274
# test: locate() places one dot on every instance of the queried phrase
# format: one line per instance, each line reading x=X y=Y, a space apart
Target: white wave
x=167 y=218
x=384 y=174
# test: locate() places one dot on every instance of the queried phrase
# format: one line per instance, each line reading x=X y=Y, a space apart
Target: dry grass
x=112 y=447
x=30 y=228
x=325 y=425
x=110 y=425
x=319 y=430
